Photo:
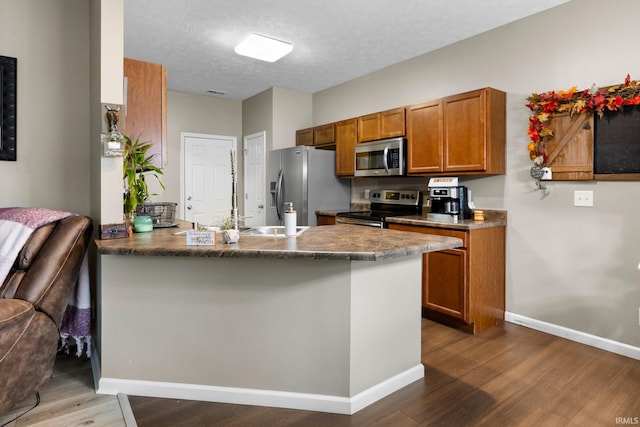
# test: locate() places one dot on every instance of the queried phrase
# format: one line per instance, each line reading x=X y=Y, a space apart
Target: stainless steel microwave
x=385 y=157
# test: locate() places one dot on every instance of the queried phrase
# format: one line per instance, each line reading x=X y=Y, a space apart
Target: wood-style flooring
x=507 y=375
x=68 y=399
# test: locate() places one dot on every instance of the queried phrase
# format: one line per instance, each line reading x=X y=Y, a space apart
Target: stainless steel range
x=384 y=203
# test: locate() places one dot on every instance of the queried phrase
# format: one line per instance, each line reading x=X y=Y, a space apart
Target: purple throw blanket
x=16 y=225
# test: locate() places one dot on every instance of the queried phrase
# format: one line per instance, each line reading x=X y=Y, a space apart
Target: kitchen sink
x=271 y=231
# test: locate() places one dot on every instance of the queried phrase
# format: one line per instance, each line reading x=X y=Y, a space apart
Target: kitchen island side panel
x=185 y=327
x=386 y=328
x=257 y=324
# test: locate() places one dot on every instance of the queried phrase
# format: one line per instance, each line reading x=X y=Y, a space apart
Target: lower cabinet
x=444 y=278
x=326 y=219
x=464 y=287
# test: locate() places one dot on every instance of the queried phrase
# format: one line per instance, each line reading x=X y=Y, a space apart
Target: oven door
x=380 y=158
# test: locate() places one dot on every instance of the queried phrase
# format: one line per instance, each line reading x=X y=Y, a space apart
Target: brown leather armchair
x=33 y=299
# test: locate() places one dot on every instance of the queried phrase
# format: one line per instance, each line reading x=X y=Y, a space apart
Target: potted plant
x=137 y=164
x=230 y=233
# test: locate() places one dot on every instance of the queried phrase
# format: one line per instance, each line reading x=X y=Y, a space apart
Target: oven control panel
x=395 y=197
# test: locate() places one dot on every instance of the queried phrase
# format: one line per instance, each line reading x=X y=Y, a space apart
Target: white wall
x=196 y=114
x=291 y=111
x=50 y=39
x=574 y=267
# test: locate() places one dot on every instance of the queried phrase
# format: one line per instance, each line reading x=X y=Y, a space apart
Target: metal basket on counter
x=163 y=214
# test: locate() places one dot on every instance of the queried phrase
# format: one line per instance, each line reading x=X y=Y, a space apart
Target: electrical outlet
x=583 y=198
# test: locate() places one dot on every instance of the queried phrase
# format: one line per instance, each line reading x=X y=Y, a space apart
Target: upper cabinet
x=304 y=137
x=146 y=106
x=461 y=134
x=386 y=124
x=424 y=135
x=346 y=139
x=322 y=136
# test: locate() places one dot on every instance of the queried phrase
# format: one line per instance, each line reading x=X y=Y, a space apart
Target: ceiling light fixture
x=263 y=48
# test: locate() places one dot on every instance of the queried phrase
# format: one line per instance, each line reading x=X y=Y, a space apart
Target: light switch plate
x=583 y=198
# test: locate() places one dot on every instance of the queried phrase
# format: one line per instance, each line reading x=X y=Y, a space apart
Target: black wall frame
x=8 y=98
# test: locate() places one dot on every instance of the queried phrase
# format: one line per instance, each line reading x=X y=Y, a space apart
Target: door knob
x=189 y=206
x=188 y=197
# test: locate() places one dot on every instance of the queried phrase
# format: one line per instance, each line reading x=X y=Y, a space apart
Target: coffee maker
x=448 y=200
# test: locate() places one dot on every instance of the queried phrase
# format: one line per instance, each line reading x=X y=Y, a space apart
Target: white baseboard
x=279 y=399
x=573 y=335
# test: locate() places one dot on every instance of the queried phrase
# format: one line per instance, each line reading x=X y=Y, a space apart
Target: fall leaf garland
x=543 y=105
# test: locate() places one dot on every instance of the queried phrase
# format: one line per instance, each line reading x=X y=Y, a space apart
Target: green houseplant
x=137 y=165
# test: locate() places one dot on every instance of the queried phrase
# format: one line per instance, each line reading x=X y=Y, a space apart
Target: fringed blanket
x=76 y=322
x=16 y=225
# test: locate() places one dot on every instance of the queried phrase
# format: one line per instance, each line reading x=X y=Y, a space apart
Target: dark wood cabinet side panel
x=146 y=105
x=487 y=267
x=496 y=131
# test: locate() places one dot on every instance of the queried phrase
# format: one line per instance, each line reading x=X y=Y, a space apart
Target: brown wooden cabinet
x=326 y=219
x=304 y=137
x=146 y=106
x=385 y=124
x=464 y=287
x=324 y=136
x=468 y=129
x=424 y=135
x=346 y=139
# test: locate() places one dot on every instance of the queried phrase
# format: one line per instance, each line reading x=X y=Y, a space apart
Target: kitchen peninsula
x=326 y=321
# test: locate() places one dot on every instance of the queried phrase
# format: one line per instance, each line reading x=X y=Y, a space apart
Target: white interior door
x=206 y=195
x=254 y=179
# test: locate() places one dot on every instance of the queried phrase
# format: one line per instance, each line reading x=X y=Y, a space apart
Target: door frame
x=183 y=135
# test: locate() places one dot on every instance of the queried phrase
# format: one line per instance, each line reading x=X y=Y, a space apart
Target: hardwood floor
x=68 y=399
x=507 y=375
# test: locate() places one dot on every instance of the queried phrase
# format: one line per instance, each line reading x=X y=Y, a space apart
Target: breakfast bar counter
x=339 y=242
x=329 y=320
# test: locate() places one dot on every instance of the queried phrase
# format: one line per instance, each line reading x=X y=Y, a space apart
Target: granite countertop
x=493 y=218
x=329 y=242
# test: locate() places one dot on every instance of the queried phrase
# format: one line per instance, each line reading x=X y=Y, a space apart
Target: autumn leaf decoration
x=543 y=105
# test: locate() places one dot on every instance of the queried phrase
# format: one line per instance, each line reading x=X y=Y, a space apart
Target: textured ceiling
x=334 y=40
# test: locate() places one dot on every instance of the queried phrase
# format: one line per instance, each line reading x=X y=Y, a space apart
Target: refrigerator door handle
x=279 y=195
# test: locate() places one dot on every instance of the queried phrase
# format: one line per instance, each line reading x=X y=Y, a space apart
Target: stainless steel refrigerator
x=306 y=177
